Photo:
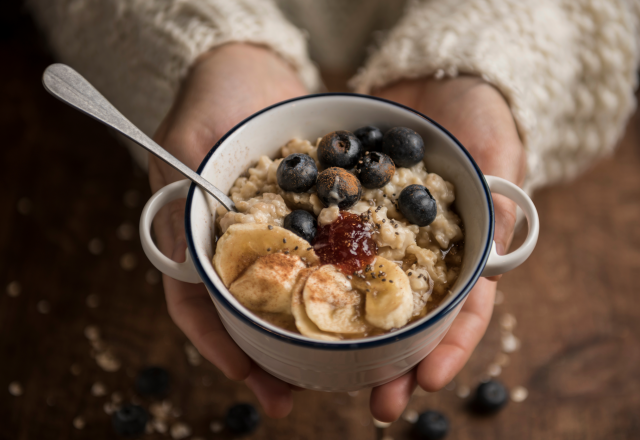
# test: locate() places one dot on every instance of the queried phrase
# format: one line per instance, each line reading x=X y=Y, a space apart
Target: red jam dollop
x=347 y=243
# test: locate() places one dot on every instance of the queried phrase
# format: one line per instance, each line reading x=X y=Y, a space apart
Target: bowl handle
x=180 y=271
x=499 y=264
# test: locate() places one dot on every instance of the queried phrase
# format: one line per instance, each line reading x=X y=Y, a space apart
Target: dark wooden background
x=65 y=182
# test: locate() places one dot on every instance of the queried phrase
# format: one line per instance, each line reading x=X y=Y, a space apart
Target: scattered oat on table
x=411 y=415
x=25 y=206
x=159 y=426
x=116 y=397
x=502 y=359
x=180 y=430
x=78 y=423
x=14 y=288
x=125 y=231
x=508 y=322
x=193 y=355
x=43 y=306
x=494 y=370
x=107 y=361
x=128 y=261
x=93 y=300
x=15 y=389
x=216 y=426
x=387 y=437
x=98 y=389
x=519 y=394
x=96 y=246
x=463 y=391
x=510 y=343
x=499 y=299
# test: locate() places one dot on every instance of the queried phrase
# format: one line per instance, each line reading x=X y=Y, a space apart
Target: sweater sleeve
x=136 y=52
x=567 y=68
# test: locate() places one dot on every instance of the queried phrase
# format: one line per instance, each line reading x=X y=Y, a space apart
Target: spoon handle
x=71 y=88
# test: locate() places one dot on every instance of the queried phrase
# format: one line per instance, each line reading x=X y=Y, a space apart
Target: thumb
x=505 y=222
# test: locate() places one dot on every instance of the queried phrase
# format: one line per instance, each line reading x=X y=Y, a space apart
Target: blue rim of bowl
x=342 y=345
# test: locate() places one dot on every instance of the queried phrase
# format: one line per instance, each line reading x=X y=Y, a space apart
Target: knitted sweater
x=567 y=68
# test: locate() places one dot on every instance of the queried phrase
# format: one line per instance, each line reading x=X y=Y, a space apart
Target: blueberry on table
x=375 y=170
x=418 y=205
x=337 y=186
x=370 y=137
x=339 y=149
x=301 y=223
x=404 y=146
x=152 y=381
x=297 y=173
x=242 y=418
x=431 y=425
x=490 y=397
x=130 y=420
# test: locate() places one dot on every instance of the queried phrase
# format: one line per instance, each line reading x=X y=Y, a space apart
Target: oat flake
x=92 y=333
x=93 y=301
x=14 y=288
x=510 y=343
x=499 y=299
x=96 y=246
x=15 y=389
x=519 y=394
x=494 y=370
x=502 y=359
x=216 y=427
x=379 y=424
x=159 y=425
x=107 y=361
x=180 y=430
x=463 y=391
x=411 y=415
x=387 y=437
x=78 y=423
x=98 y=389
x=193 y=355
x=128 y=261
x=508 y=322
x=44 y=307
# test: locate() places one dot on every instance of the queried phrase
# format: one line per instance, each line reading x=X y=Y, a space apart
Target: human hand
x=224 y=86
x=479 y=117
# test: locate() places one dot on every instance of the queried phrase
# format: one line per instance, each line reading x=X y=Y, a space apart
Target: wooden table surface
x=70 y=259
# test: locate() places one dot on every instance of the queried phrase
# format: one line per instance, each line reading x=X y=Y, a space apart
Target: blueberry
x=242 y=418
x=490 y=397
x=152 y=381
x=297 y=172
x=370 y=138
x=339 y=149
x=302 y=224
x=376 y=170
x=130 y=420
x=337 y=186
x=404 y=146
x=431 y=425
x=418 y=205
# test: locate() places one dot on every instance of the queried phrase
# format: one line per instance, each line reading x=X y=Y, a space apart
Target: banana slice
x=304 y=325
x=267 y=284
x=243 y=243
x=389 y=301
x=331 y=303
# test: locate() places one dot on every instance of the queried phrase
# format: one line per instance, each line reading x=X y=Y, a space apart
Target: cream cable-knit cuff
x=566 y=68
x=136 y=52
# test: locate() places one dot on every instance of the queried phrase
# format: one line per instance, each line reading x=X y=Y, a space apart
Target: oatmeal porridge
x=347 y=237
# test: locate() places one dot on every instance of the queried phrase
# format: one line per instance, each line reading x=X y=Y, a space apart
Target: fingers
x=192 y=310
x=273 y=394
x=388 y=401
x=448 y=358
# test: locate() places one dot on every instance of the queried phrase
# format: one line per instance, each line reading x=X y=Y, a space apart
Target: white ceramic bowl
x=353 y=364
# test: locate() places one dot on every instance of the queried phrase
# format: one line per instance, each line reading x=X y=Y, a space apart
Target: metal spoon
x=71 y=88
